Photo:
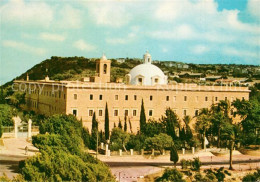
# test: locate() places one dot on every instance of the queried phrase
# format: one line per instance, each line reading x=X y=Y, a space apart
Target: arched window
x=105 y=68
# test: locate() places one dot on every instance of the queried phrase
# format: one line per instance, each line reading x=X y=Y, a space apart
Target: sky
x=191 y=31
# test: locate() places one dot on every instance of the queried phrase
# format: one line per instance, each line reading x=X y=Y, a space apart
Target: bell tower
x=103 y=66
x=147 y=58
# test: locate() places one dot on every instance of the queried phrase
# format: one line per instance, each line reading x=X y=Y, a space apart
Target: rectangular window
x=174 y=98
x=134 y=112
x=151 y=97
x=100 y=97
x=100 y=112
x=126 y=97
x=91 y=97
x=167 y=98
x=216 y=98
x=116 y=112
x=196 y=112
x=126 y=112
x=185 y=112
x=206 y=98
x=185 y=98
x=116 y=97
x=74 y=112
x=135 y=97
x=150 y=112
x=90 y=112
x=75 y=96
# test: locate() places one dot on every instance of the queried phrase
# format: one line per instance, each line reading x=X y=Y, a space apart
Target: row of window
x=91 y=97
x=115 y=112
x=48 y=93
x=126 y=112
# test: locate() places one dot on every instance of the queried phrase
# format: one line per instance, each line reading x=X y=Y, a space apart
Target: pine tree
x=174 y=157
x=106 y=123
x=125 y=124
x=120 y=124
x=142 y=118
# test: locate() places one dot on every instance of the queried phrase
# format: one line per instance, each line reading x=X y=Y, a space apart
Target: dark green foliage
x=158 y=142
x=174 y=157
x=61 y=155
x=119 y=139
x=136 y=142
x=120 y=124
x=2 y=96
x=154 y=127
x=171 y=175
x=185 y=164
x=142 y=118
x=196 y=164
x=58 y=165
x=130 y=125
x=219 y=174
x=106 y=123
x=16 y=99
x=94 y=132
x=86 y=137
x=125 y=125
x=6 y=114
x=171 y=122
x=252 y=177
x=209 y=177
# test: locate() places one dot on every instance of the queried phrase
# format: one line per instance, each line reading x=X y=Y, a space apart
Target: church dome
x=146 y=74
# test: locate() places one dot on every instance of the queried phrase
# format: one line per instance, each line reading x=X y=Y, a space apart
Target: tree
x=230 y=135
x=94 y=131
x=106 y=123
x=119 y=139
x=188 y=133
x=130 y=125
x=203 y=123
x=6 y=114
x=120 y=124
x=174 y=157
x=158 y=142
x=153 y=128
x=125 y=124
x=171 y=122
x=171 y=175
x=142 y=118
x=2 y=97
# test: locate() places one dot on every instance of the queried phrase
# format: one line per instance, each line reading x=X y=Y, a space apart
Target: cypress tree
x=120 y=124
x=94 y=132
x=130 y=125
x=142 y=118
x=114 y=125
x=125 y=124
x=106 y=124
x=174 y=157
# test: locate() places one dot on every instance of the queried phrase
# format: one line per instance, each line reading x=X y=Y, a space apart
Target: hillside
x=74 y=68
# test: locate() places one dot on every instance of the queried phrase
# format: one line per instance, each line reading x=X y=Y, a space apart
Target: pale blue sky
x=192 y=31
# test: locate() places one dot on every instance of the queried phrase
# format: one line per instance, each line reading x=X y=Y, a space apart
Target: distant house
x=120 y=60
x=185 y=66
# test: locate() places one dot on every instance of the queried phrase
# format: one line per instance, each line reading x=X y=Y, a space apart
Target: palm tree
x=203 y=123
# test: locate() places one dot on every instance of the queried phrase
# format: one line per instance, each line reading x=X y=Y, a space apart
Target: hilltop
x=74 y=68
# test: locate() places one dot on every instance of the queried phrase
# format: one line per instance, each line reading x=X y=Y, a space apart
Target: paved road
x=125 y=164
x=9 y=164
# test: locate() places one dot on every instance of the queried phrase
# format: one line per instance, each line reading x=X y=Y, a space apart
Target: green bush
x=196 y=164
x=171 y=175
x=252 y=177
x=185 y=164
x=158 y=142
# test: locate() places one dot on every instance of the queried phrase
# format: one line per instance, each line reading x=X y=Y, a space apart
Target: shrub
x=185 y=164
x=252 y=177
x=196 y=164
x=171 y=175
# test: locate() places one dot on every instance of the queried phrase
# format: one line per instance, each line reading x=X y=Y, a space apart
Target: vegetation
x=171 y=175
x=142 y=118
x=119 y=139
x=106 y=124
x=61 y=155
x=158 y=142
x=252 y=177
x=174 y=157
